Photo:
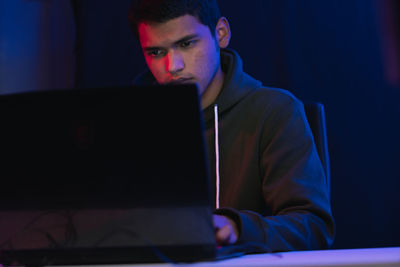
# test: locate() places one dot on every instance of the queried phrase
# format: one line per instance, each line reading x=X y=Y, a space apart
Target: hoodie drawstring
x=217 y=181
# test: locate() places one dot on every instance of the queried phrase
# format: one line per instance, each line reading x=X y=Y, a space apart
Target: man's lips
x=182 y=81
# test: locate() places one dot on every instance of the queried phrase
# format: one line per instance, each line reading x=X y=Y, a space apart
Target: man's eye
x=155 y=53
x=187 y=44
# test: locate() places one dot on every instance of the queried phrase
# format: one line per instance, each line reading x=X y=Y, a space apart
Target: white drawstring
x=216 y=156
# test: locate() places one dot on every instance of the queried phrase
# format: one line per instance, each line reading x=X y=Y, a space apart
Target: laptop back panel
x=122 y=169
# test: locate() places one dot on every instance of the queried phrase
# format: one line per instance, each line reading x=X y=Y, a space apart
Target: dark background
x=343 y=53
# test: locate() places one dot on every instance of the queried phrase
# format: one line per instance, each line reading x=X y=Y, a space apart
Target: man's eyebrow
x=182 y=40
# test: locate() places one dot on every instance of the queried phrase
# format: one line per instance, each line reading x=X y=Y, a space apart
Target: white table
x=368 y=257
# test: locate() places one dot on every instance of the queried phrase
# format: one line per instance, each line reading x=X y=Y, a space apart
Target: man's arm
x=294 y=187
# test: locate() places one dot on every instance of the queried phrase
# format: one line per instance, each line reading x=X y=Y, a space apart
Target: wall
x=36 y=45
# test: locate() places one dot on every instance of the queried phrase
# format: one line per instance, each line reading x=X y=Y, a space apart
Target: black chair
x=315 y=113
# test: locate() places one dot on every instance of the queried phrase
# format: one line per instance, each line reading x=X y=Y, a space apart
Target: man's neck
x=213 y=89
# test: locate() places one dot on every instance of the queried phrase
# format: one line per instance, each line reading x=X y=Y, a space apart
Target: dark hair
x=159 y=11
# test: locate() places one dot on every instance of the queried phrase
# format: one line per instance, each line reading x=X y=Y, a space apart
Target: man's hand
x=226 y=231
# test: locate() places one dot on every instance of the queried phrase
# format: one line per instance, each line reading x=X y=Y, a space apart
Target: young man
x=271 y=187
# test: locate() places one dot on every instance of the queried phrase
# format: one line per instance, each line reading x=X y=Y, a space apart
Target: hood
x=237 y=84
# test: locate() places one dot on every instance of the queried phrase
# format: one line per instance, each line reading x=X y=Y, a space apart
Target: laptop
x=105 y=175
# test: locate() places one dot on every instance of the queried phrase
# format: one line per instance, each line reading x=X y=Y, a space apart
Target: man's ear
x=223 y=32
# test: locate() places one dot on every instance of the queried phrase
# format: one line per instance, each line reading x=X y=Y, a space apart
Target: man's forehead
x=167 y=33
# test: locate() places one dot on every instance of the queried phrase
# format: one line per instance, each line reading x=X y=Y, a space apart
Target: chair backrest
x=315 y=113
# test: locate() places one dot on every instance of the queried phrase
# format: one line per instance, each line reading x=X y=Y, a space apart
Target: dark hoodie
x=271 y=181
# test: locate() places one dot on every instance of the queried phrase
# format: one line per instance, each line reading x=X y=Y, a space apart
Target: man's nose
x=175 y=62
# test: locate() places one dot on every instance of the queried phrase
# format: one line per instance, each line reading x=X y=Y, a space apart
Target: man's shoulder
x=275 y=98
x=260 y=94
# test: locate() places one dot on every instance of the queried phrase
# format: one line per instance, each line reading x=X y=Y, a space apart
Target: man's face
x=181 y=50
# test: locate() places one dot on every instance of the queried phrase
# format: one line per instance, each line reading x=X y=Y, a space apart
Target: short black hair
x=159 y=11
